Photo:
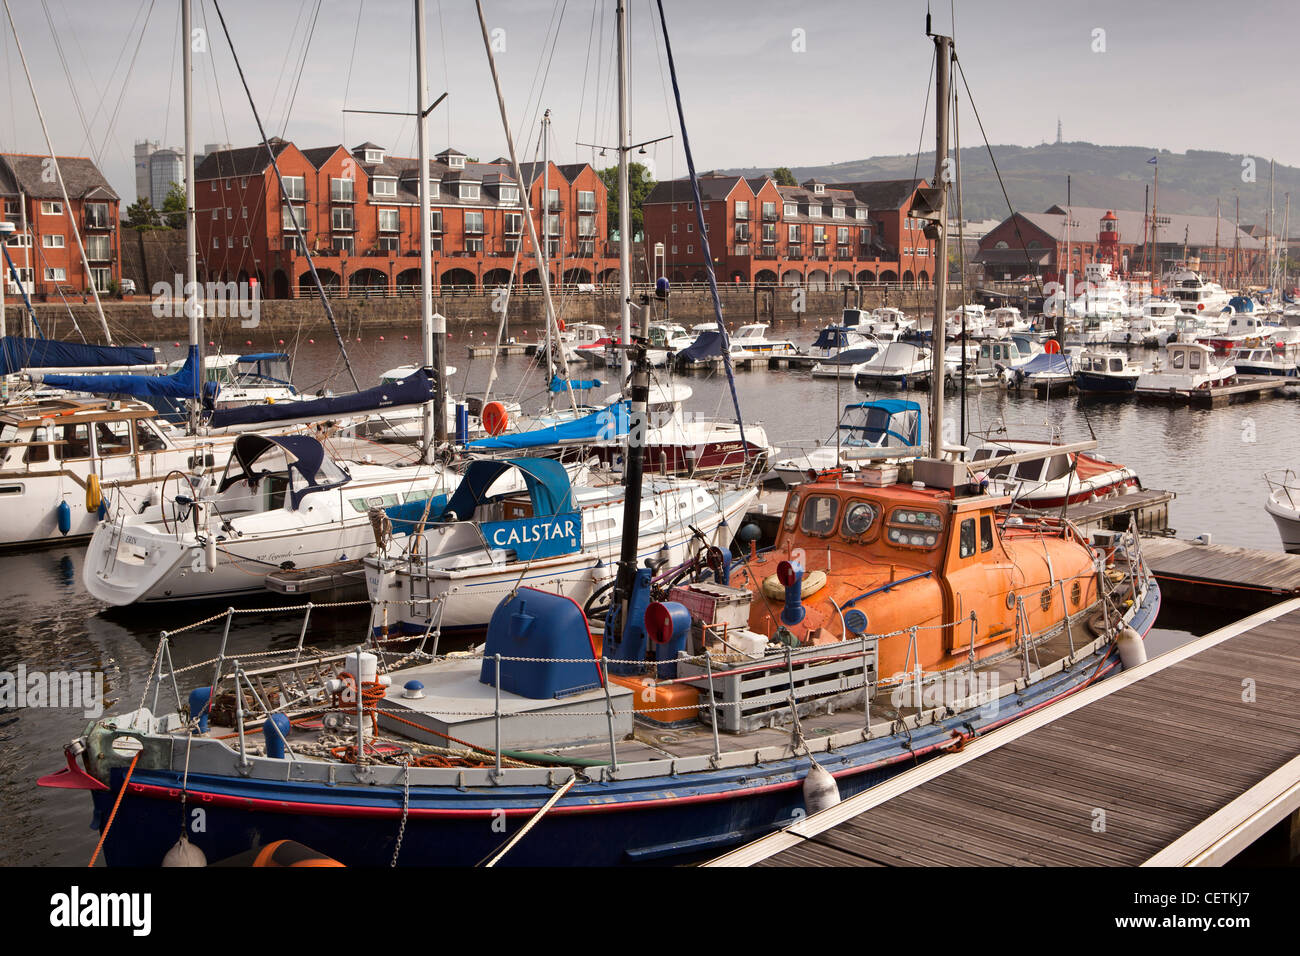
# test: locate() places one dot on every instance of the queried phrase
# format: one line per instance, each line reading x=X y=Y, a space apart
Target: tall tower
x=1058 y=131
x=143 y=150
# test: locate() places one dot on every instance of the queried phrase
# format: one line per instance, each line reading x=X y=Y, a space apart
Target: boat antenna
x=702 y=232
x=297 y=226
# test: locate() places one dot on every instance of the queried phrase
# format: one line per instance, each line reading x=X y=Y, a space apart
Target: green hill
x=1108 y=176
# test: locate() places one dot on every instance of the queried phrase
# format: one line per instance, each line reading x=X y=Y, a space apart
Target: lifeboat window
x=913 y=528
x=792 y=510
x=1030 y=470
x=986 y=533
x=1116 y=365
x=74 y=442
x=36 y=451
x=1058 y=466
x=1194 y=360
x=968 y=537
x=1178 y=359
x=819 y=514
x=113 y=438
x=858 y=518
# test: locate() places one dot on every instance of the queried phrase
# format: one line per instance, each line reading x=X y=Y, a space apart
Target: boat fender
x=93 y=495
x=199 y=698
x=790 y=574
x=276 y=732
x=64 y=516
x=1132 y=650
x=813 y=581
x=185 y=853
x=210 y=554
x=820 y=791
x=102 y=511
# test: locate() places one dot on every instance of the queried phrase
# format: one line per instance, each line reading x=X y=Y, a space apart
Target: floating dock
x=1182 y=761
x=1221 y=575
x=1247 y=387
x=513 y=348
x=340 y=581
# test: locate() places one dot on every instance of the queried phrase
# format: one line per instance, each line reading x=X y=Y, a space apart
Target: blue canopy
x=547 y=482
x=606 y=424
x=309 y=467
x=1241 y=303
x=709 y=343
x=416 y=389
x=832 y=337
x=876 y=422
x=183 y=383
x=17 y=354
x=559 y=385
x=406 y=516
x=1050 y=363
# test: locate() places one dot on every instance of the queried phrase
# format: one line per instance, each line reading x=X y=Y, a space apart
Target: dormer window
x=510 y=194
x=384 y=187
x=374 y=156
x=818 y=188
x=455 y=162
x=469 y=190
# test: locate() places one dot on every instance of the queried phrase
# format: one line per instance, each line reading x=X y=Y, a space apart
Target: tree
x=639 y=185
x=783 y=176
x=174 y=207
x=141 y=215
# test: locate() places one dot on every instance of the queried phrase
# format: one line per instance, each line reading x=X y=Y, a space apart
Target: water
x=1214 y=460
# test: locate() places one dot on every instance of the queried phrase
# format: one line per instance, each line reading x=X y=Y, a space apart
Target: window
x=55 y=274
x=99 y=248
x=456 y=162
x=374 y=155
x=291 y=214
x=586 y=201
x=74 y=442
x=435 y=188
x=113 y=438
x=819 y=515
x=690 y=227
x=295 y=187
x=243 y=182
x=814 y=211
x=216 y=214
x=514 y=224
x=469 y=190
x=986 y=533
x=674 y=227
x=967 y=543
x=742 y=209
x=388 y=243
x=473 y=222
x=229 y=213
x=473 y=243
x=146 y=439
x=51 y=209
x=245 y=242
x=586 y=248
x=1178 y=359
x=819 y=235
x=791 y=511
x=384 y=187
x=214 y=185
x=842 y=234
x=690 y=207
x=230 y=184
x=388 y=220
x=230 y=242
x=552 y=200
x=769 y=212
x=791 y=209
x=435 y=220
x=341 y=220
x=1194 y=360
x=52 y=242
x=674 y=252
x=342 y=244
x=690 y=250
x=510 y=194
x=837 y=212
x=860 y=212
x=216 y=242
x=243 y=212
x=97 y=215
x=21 y=240
x=586 y=226
x=794 y=233
x=552 y=225
x=705 y=207
x=769 y=232
x=341 y=190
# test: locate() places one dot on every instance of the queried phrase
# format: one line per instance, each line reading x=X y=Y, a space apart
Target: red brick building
x=819 y=235
x=1035 y=244
x=44 y=245
x=359 y=212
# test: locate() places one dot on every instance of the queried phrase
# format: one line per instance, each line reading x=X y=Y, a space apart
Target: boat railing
x=1285 y=482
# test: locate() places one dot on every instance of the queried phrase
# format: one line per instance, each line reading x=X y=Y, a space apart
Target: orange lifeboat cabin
x=967 y=576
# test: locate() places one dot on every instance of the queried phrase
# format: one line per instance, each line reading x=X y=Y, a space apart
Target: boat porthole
x=1076 y=594
x=1011 y=600
x=1045 y=599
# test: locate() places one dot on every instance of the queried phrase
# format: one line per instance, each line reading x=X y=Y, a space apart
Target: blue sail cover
x=709 y=343
x=416 y=389
x=1046 y=363
x=18 y=353
x=183 y=383
x=604 y=425
x=1240 y=303
x=559 y=385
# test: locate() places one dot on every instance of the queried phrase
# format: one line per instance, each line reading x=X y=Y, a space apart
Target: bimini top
x=309 y=468
x=547 y=481
x=886 y=423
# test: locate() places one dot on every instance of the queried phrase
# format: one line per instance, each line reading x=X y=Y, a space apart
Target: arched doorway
x=842 y=278
x=609 y=277
x=328 y=278
x=496 y=278
x=791 y=278
x=368 y=282
x=908 y=278
x=817 y=279
x=923 y=277
x=889 y=275
x=408 y=282
x=866 y=276
x=576 y=275
x=765 y=277
x=457 y=278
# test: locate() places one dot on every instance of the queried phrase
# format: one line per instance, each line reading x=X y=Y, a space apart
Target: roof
x=367 y=145
x=246 y=161
x=679 y=190
x=318 y=156
x=884 y=193
x=1171 y=227
x=26 y=172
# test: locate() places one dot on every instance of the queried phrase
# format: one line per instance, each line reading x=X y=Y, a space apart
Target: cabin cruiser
x=976 y=322
x=1056 y=478
x=898 y=362
x=868 y=432
x=1005 y=321
x=554 y=534
x=1245 y=328
x=1193 y=293
x=1100 y=371
x=753 y=339
x=1248 y=360
x=282 y=502
x=1102 y=297
x=1156 y=325
x=67 y=463
x=584 y=342
x=1185 y=367
x=834 y=340
x=1284 y=506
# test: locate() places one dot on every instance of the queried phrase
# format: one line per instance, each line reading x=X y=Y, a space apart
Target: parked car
x=128 y=287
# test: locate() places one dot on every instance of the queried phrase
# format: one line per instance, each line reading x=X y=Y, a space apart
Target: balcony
x=770 y=216
x=767 y=252
x=740 y=249
x=97 y=219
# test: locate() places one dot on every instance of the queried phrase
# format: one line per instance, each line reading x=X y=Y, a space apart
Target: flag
x=1152 y=161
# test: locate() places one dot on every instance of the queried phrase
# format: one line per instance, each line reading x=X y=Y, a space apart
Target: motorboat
x=1185 y=367
x=1106 y=372
x=1055 y=479
x=753 y=339
x=868 y=433
x=1248 y=360
x=898 y=362
x=1283 y=505
x=1194 y=293
x=834 y=340
x=282 y=502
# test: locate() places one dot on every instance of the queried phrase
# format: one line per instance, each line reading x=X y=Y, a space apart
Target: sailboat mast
x=58 y=174
x=1217 y=276
x=432 y=325
x=943 y=64
x=193 y=301
x=624 y=200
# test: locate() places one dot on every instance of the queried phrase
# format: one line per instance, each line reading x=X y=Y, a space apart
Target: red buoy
x=495 y=418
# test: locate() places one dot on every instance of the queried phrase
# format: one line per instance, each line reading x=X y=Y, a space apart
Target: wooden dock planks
x=1110 y=783
x=1221 y=574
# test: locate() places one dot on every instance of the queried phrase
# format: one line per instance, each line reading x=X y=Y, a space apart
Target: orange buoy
x=495 y=418
x=1051 y=346
x=560 y=323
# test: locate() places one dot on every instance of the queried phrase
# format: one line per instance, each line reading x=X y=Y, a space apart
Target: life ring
x=560 y=324
x=94 y=496
x=494 y=418
x=813 y=581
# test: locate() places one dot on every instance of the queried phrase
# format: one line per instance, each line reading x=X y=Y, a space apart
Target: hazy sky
x=1198 y=74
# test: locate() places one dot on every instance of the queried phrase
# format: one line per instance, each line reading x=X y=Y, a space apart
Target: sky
x=764 y=83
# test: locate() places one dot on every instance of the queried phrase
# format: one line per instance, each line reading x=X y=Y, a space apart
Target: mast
x=1268 y=230
x=58 y=173
x=1236 y=244
x=1155 y=201
x=193 y=301
x=432 y=325
x=943 y=64
x=624 y=201
x=1217 y=276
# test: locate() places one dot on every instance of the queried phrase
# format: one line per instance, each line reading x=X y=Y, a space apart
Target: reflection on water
x=1212 y=459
